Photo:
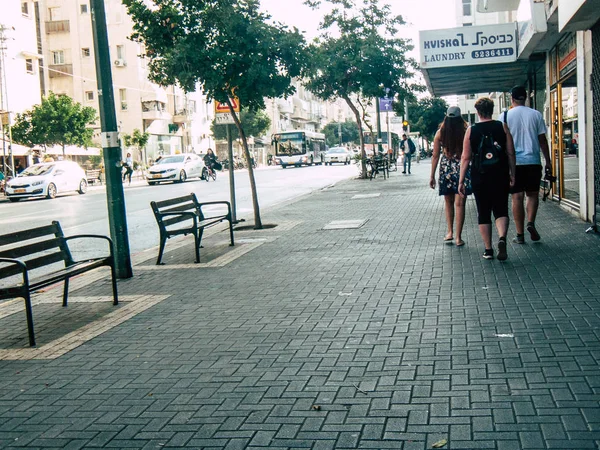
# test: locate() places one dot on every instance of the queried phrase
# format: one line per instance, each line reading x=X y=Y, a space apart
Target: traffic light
x=405 y=125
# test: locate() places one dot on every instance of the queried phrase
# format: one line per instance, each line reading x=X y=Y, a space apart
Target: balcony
x=154 y=110
x=60 y=70
x=300 y=114
x=181 y=116
x=57 y=26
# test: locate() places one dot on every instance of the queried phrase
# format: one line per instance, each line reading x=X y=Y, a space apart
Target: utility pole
x=377 y=108
x=231 y=174
x=4 y=110
x=110 y=143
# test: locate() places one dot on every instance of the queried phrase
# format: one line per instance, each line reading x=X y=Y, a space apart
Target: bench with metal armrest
x=185 y=215
x=22 y=252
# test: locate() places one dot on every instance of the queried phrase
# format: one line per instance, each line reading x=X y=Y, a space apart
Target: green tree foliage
x=226 y=46
x=138 y=140
x=254 y=123
x=358 y=56
x=58 y=120
x=349 y=133
x=426 y=114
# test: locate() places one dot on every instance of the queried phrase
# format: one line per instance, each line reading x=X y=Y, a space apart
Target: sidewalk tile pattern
x=377 y=337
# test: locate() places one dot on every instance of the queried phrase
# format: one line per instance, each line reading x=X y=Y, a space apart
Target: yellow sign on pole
x=5 y=117
x=221 y=108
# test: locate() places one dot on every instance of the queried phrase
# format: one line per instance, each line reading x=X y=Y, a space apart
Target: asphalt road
x=88 y=214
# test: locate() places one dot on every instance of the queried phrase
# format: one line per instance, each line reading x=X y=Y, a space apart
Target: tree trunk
x=64 y=152
x=257 y=220
x=361 y=138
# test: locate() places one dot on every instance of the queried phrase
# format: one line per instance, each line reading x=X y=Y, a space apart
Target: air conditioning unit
x=120 y=62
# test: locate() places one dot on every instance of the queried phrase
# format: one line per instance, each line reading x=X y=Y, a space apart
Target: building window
x=54 y=14
x=58 y=57
x=467 y=24
x=89 y=96
x=29 y=65
x=85 y=53
x=83 y=8
x=120 y=52
x=25 y=9
x=466 y=7
x=123 y=99
x=192 y=105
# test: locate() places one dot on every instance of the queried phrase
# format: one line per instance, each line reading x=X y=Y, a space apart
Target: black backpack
x=489 y=154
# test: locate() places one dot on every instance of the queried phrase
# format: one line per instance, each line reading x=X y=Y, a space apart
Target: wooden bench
x=93 y=176
x=23 y=252
x=183 y=216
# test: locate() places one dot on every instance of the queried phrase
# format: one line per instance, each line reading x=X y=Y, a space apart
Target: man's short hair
x=404 y=135
x=485 y=107
x=518 y=93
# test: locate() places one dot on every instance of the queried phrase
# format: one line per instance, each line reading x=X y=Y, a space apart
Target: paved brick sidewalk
x=376 y=337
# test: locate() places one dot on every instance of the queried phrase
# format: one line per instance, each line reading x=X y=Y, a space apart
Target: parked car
x=47 y=180
x=338 y=155
x=175 y=168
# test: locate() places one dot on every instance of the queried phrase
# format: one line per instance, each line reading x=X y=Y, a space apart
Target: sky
x=418 y=14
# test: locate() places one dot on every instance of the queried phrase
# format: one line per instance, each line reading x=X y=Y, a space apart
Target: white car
x=47 y=180
x=175 y=168
x=338 y=155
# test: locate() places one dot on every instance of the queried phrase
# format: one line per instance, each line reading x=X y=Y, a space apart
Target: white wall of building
x=20 y=61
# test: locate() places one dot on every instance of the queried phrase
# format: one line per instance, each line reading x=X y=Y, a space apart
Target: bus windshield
x=289 y=144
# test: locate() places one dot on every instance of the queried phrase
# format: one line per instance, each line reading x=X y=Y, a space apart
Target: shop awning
x=575 y=15
x=475 y=79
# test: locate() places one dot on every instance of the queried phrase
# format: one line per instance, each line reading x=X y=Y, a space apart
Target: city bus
x=298 y=147
x=371 y=143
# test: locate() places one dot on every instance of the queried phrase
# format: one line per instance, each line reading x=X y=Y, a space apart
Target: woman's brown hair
x=452 y=133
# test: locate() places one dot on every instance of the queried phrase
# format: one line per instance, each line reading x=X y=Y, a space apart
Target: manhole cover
x=378 y=194
x=345 y=224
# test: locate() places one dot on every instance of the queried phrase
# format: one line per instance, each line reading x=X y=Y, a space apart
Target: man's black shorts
x=527 y=178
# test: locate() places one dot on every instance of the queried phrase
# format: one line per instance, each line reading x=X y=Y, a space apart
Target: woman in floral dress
x=447 y=151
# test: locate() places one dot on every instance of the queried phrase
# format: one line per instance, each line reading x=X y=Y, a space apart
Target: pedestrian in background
x=489 y=147
x=447 y=150
x=528 y=129
x=128 y=165
x=408 y=148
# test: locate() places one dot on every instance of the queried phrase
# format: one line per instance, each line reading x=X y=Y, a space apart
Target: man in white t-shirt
x=529 y=134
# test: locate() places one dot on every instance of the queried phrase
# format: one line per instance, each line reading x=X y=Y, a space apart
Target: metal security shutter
x=596 y=118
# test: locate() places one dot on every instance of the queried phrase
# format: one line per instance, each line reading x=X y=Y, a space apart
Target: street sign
x=5 y=118
x=223 y=119
x=223 y=108
x=385 y=104
x=395 y=119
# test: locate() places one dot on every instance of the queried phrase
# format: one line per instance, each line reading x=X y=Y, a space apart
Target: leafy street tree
x=254 y=123
x=357 y=57
x=225 y=46
x=58 y=120
x=426 y=114
x=138 y=140
x=349 y=133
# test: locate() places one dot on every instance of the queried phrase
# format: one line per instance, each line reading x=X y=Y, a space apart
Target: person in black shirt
x=491 y=183
x=210 y=159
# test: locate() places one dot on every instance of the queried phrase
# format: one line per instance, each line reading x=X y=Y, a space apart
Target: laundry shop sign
x=468 y=46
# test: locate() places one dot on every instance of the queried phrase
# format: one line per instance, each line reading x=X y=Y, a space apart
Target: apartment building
x=20 y=56
x=173 y=118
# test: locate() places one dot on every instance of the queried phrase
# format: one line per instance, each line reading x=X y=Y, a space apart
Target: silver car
x=175 y=168
x=47 y=180
x=338 y=155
